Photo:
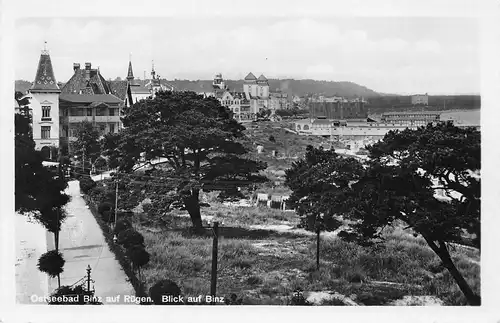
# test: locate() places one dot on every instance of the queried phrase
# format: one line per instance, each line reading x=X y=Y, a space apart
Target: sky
x=403 y=55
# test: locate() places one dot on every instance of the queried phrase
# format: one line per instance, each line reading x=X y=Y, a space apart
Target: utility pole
x=317 y=246
x=213 y=284
x=83 y=161
x=116 y=202
x=88 y=278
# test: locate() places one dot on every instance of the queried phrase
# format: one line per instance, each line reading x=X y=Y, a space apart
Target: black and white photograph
x=242 y=159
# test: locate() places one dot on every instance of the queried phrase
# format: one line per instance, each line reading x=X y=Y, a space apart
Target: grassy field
x=265 y=266
x=263 y=258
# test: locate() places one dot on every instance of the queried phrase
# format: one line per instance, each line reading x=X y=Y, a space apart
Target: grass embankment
x=286 y=144
x=265 y=266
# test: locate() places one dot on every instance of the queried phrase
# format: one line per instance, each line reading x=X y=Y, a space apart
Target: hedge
x=119 y=252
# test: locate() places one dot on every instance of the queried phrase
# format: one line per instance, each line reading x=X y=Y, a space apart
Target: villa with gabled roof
x=87 y=96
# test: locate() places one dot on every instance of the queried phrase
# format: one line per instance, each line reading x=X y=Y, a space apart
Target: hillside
x=292 y=87
x=22 y=86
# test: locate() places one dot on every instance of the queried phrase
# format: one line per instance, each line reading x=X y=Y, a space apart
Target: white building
x=420 y=99
x=257 y=92
x=44 y=104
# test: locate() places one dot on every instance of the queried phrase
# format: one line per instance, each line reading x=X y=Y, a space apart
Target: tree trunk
x=445 y=257
x=472 y=298
x=192 y=204
x=56 y=244
x=56 y=240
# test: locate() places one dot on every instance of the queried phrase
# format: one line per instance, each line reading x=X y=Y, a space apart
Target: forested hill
x=22 y=86
x=292 y=87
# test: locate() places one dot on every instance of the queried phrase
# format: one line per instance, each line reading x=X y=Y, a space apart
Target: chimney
x=76 y=66
x=87 y=71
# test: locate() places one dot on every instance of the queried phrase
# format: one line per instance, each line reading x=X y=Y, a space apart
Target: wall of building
x=338 y=110
x=37 y=101
x=420 y=99
x=139 y=96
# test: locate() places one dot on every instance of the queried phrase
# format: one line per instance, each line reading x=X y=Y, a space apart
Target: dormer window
x=46 y=113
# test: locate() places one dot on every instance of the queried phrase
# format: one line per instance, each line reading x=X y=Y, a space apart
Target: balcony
x=77 y=119
x=107 y=118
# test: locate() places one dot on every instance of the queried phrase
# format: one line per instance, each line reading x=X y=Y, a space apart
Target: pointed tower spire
x=44 y=80
x=130 y=74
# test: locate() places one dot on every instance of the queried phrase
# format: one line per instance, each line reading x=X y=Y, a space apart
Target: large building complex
x=257 y=92
x=420 y=99
x=361 y=128
x=338 y=108
x=246 y=104
x=410 y=119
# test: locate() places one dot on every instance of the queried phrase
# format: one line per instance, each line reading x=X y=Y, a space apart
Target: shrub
x=146 y=207
x=108 y=216
x=254 y=280
x=75 y=292
x=233 y=300
x=122 y=225
x=86 y=184
x=164 y=287
x=367 y=298
x=100 y=163
x=51 y=263
x=298 y=298
x=104 y=206
x=64 y=160
x=129 y=238
x=272 y=139
x=138 y=256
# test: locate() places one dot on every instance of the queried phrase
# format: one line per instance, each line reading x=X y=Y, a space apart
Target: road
x=31 y=243
x=82 y=243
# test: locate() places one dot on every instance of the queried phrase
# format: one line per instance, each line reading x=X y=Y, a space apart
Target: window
x=100 y=111
x=111 y=125
x=46 y=113
x=103 y=128
x=89 y=112
x=45 y=132
x=111 y=112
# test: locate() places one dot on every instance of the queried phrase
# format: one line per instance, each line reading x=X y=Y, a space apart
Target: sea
x=472 y=117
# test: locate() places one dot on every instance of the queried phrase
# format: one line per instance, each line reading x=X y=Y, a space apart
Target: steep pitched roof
x=130 y=74
x=262 y=78
x=118 y=88
x=250 y=77
x=94 y=84
x=44 y=79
